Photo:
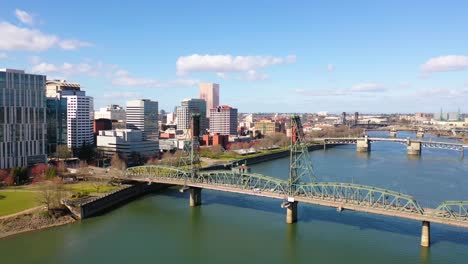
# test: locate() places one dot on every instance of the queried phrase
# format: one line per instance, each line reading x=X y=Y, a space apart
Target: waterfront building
x=125 y=141
x=267 y=127
x=185 y=111
x=56 y=116
x=223 y=120
x=22 y=118
x=210 y=93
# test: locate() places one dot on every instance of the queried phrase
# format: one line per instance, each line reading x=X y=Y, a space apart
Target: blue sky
x=267 y=56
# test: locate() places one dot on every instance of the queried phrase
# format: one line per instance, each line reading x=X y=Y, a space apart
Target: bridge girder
x=456 y=210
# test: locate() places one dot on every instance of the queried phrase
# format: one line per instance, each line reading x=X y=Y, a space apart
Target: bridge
x=301 y=186
x=414 y=147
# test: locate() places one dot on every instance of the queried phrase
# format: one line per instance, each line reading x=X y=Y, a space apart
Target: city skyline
x=380 y=57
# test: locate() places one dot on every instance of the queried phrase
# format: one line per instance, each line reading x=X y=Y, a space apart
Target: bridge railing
x=360 y=195
x=454 y=210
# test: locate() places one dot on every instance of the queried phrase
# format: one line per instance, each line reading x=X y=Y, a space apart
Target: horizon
x=391 y=57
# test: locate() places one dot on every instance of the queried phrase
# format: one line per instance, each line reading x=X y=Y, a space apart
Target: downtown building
x=187 y=108
x=22 y=119
x=223 y=120
x=78 y=111
x=142 y=115
x=210 y=93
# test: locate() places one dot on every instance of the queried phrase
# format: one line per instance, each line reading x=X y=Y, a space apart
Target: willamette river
x=232 y=228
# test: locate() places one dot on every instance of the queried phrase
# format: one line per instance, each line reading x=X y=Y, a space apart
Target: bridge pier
x=393 y=134
x=414 y=148
x=291 y=213
x=195 y=196
x=426 y=234
x=363 y=145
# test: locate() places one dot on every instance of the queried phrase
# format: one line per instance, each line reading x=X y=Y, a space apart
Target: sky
x=268 y=56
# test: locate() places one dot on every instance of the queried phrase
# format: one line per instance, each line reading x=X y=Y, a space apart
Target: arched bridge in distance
x=301 y=186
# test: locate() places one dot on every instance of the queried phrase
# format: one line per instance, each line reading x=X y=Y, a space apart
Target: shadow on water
x=311 y=213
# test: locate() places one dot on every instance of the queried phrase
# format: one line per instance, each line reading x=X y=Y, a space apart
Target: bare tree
x=63 y=152
x=118 y=163
x=50 y=195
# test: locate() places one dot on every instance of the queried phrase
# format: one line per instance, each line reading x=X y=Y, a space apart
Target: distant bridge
x=413 y=146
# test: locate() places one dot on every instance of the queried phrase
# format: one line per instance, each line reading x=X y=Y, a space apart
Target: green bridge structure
x=301 y=186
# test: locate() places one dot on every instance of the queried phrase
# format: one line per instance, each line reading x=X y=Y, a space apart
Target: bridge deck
x=335 y=203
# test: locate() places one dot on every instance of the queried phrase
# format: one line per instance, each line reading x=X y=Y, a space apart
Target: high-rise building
x=143 y=115
x=210 y=93
x=56 y=116
x=65 y=99
x=22 y=118
x=223 y=120
x=186 y=109
x=80 y=111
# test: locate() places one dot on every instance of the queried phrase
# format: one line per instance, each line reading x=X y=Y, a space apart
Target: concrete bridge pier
x=426 y=234
x=291 y=213
x=363 y=145
x=195 y=196
x=393 y=133
x=414 y=148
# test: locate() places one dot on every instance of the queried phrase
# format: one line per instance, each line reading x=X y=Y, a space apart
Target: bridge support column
x=426 y=234
x=195 y=196
x=363 y=145
x=393 y=134
x=291 y=213
x=414 y=148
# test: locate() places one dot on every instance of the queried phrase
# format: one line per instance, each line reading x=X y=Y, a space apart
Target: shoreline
x=27 y=217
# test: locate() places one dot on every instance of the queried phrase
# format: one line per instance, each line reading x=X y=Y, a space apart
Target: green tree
x=63 y=152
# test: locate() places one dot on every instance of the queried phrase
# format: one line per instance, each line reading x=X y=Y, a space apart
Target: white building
x=80 y=109
x=111 y=112
x=223 y=120
x=125 y=141
x=143 y=115
x=22 y=118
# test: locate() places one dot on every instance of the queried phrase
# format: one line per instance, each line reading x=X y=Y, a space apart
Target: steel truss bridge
x=339 y=195
x=424 y=143
x=302 y=185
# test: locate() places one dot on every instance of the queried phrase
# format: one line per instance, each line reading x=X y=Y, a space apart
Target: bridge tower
x=190 y=158
x=300 y=167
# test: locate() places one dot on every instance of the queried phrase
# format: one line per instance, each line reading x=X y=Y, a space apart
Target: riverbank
x=33 y=220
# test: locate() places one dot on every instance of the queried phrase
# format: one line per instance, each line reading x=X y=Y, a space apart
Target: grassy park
x=12 y=201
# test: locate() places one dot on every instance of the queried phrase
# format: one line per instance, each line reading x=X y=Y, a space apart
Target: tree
x=83 y=168
x=61 y=168
x=63 y=152
x=51 y=194
x=19 y=175
x=38 y=172
x=3 y=175
x=118 y=163
x=9 y=181
x=86 y=152
x=50 y=173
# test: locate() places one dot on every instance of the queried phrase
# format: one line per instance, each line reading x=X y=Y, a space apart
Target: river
x=231 y=228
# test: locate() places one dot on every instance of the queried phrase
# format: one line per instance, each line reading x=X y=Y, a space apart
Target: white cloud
x=252 y=75
x=322 y=92
x=123 y=78
x=227 y=63
x=34 y=59
x=66 y=69
x=443 y=93
x=368 y=87
x=3 y=55
x=222 y=75
x=445 y=63
x=22 y=38
x=24 y=17
x=119 y=95
x=330 y=67
x=73 y=44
